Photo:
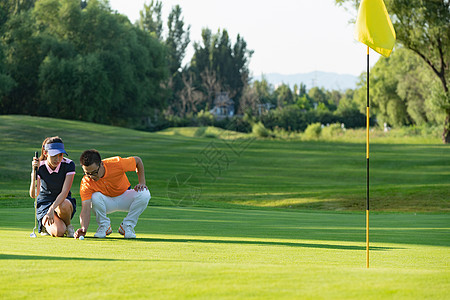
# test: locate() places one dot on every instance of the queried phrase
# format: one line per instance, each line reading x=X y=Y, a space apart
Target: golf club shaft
x=35 y=191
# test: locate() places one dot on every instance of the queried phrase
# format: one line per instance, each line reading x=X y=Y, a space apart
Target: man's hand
x=79 y=232
x=140 y=187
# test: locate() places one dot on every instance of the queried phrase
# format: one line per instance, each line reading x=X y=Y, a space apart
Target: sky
x=287 y=36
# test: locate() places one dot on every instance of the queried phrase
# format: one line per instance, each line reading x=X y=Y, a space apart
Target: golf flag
x=374 y=27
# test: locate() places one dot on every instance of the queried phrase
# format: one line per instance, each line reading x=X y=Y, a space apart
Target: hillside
x=207 y=171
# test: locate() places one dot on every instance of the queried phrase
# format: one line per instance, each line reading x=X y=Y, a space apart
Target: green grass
x=216 y=253
x=279 y=219
x=207 y=131
x=241 y=172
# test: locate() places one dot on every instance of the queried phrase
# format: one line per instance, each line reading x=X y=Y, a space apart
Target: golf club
x=33 y=235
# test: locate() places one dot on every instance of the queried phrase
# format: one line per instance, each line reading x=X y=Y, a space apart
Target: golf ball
x=81 y=237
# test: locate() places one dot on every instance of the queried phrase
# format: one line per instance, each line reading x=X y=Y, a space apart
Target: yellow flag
x=374 y=27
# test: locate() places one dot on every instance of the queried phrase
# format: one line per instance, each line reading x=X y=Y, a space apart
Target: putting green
x=231 y=253
x=308 y=251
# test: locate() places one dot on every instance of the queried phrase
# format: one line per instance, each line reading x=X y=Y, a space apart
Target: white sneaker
x=70 y=231
x=103 y=231
x=44 y=231
x=127 y=231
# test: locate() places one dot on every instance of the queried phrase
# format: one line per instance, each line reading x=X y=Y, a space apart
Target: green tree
x=6 y=82
x=23 y=55
x=229 y=62
x=321 y=97
x=423 y=26
x=177 y=40
x=264 y=91
x=101 y=62
x=150 y=19
x=284 y=95
x=304 y=102
x=346 y=103
x=78 y=60
x=302 y=89
x=80 y=85
x=9 y=8
x=241 y=58
x=400 y=89
x=334 y=97
x=179 y=83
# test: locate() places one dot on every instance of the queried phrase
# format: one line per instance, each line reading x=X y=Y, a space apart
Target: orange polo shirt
x=114 y=183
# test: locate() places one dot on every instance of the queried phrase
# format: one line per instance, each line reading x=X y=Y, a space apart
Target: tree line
x=81 y=60
x=415 y=90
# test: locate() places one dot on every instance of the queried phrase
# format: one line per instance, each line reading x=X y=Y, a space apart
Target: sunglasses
x=94 y=173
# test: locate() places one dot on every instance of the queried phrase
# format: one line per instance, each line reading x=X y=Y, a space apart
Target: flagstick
x=367 y=156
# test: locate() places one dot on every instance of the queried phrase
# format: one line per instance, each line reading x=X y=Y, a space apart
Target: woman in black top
x=55 y=205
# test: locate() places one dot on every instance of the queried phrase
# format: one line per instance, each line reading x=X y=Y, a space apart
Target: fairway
x=207 y=253
x=268 y=219
x=240 y=172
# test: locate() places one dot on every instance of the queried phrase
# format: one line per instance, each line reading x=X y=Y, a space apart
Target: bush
x=313 y=131
x=205 y=118
x=259 y=130
x=332 y=131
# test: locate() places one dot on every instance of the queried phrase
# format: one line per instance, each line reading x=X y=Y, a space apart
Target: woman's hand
x=35 y=163
x=49 y=218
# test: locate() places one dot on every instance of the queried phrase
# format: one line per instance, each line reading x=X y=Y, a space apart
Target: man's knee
x=97 y=198
x=143 y=196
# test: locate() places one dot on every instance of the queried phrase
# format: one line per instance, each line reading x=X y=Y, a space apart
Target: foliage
x=400 y=90
x=80 y=60
x=264 y=90
x=313 y=131
x=259 y=130
x=293 y=118
x=85 y=64
x=6 y=82
x=284 y=95
x=424 y=28
x=177 y=40
x=23 y=55
x=332 y=130
x=217 y=57
x=205 y=117
x=150 y=19
x=324 y=101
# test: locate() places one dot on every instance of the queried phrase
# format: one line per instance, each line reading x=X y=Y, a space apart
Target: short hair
x=89 y=157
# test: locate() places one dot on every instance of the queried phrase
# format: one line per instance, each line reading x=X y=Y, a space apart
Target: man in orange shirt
x=105 y=188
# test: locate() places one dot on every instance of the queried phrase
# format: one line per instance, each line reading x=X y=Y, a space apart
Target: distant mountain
x=329 y=81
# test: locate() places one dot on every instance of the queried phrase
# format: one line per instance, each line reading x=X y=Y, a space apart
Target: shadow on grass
x=43 y=257
x=261 y=243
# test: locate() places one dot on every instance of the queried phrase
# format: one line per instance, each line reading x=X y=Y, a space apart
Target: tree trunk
x=446 y=134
